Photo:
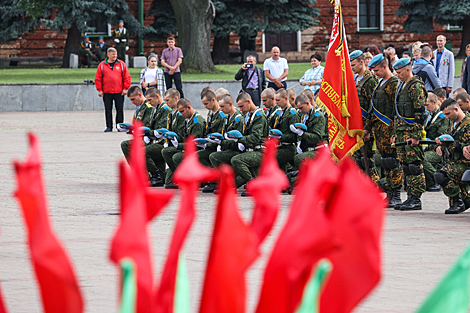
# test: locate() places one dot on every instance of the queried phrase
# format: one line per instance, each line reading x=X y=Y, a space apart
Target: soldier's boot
x=412 y=203
x=394 y=199
x=434 y=188
x=210 y=187
x=156 y=180
x=457 y=206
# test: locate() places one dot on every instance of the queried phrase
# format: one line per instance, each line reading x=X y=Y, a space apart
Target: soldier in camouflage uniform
x=215 y=124
x=226 y=149
x=365 y=84
x=435 y=125
x=142 y=114
x=410 y=101
x=450 y=175
x=86 y=50
x=272 y=111
x=159 y=119
x=288 y=140
x=380 y=123
x=311 y=98
x=315 y=122
x=246 y=164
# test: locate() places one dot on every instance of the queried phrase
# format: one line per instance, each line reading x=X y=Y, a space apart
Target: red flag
x=139 y=205
x=338 y=93
x=357 y=218
x=266 y=189
x=306 y=237
x=59 y=289
x=188 y=176
x=2 y=306
x=233 y=249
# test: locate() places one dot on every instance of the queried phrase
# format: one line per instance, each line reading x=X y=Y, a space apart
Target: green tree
x=422 y=14
x=65 y=15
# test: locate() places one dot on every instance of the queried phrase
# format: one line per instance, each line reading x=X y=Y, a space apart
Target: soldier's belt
x=381 y=117
x=286 y=144
x=406 y=119
x=259 y=147
x=365 y=114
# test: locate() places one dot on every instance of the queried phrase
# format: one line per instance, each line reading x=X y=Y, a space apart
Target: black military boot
x=156 y=180
x=457 y=206
x=412 y=203
x=394 y=199
x=434 y=188
x=210 y=187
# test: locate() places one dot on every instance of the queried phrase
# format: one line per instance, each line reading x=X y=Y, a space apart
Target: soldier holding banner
x=410 y=101
x=380 y=123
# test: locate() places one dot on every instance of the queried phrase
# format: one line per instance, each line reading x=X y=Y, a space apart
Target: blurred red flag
x=358 y=220
x=188 y=176
x=338 y=93
x=139 y=205
x=2 y=306
x=307 y=235
x=266 y=189
x=59 y=289
x=233 y=250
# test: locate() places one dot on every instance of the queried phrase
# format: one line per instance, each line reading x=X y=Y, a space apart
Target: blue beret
x=101 y=37
x=86 y=36
x=376 y=60
x=401 y=63
x=121 y=21
x=355 y=54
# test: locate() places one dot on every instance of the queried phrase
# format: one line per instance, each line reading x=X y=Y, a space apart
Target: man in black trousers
x=253 y=79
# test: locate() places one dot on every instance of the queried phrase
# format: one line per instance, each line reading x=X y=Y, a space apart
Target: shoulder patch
x=317 y=114
x=179 y=113
x=441 y=115
x=278 y=112
x=293 y=112
x=196 y=120
x=222 y=115
x=149 y=105
x=165 y=107
x=258 y=113
x=237 y=119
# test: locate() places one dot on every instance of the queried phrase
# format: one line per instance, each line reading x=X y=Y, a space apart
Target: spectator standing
x=425 y=70
x=101 y=48
x=152 y=76
x=373 y=50
x=172 y=57
x=112 y=82
x=408 y=55
x=392 y=53
x=444 y=64
x=121 y=38
x=253 y=79
x=276 y=70
x=464 y=63
x=312 y=77
x=367 y=57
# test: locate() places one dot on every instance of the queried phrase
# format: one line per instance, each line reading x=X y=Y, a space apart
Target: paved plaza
x=80 y=171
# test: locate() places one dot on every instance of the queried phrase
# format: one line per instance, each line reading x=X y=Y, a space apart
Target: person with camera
x=253 y=79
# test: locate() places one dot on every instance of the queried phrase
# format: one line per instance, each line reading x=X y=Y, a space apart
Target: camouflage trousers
x=432 y=161
x=302 y=156
x=453 y=185
x=222 y=157
x=374 y=174
x=168 y=154
x=154 y=158
x=412 y=159
x=382 y=135
x=285 y=154
x=246 y=166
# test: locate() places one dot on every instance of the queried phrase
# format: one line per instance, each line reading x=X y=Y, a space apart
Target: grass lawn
x=59 y=75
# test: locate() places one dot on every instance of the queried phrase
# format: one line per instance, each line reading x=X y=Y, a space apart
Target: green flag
x=182 y=294
x=311 y=296
x=129 y=286
x=452 y=293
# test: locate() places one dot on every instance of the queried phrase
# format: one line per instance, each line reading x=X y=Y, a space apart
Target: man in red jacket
x=112 y=81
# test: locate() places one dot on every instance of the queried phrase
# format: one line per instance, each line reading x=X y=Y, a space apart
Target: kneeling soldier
x=246 y=164
x=450 y=175
x=409 y=120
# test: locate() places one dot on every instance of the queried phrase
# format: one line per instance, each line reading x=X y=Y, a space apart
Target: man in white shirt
x=276 y=70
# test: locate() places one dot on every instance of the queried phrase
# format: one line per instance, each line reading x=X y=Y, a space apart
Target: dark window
x=101 y=27
x=369 y=14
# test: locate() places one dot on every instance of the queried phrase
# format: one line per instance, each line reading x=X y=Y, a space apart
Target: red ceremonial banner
x=338 y=94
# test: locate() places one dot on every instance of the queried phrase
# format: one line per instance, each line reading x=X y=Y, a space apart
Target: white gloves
x=203 y=146
x=241 y=147
x=273 y=136
x=127 y=48
x=122 y=129
x=228 y=138
x=165 y=145
x=146 y=140
x=116 y=40
x=299 y=151
x=174 y=142
x=217 y=141
x=219 y=148
x=157 y=134
x=296 y=130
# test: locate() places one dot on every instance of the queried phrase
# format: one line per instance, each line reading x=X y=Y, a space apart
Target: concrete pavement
x=80 y=171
